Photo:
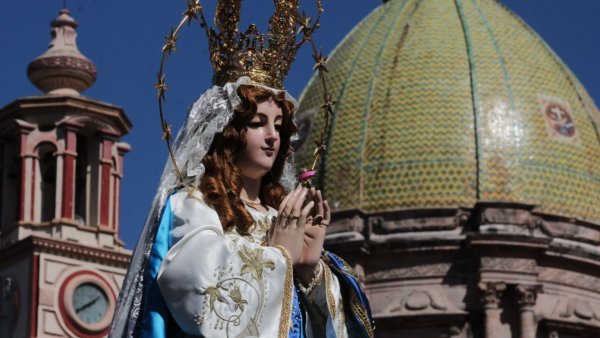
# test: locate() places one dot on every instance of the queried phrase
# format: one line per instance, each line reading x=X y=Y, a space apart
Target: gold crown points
x=265 y=58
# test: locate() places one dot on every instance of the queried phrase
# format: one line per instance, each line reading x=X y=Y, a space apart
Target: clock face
x=90 y=303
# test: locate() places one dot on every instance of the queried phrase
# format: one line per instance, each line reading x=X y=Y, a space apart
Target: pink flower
x=307 y=175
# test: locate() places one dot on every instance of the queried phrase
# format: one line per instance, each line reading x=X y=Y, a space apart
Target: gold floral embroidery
x=213 y=293
x=254 y=262
x=346 y=268
x=259 y=230
x=232 y=289
x=361 y=314
x=329 y=292
x=342 y=319
x=227 y=291
x=263 y=224
x=349 y=270
x=236 y=296
x=355 y=305
x=286 y=304
x=226 y=302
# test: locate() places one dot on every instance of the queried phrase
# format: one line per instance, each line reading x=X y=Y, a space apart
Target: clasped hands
x=300 y=228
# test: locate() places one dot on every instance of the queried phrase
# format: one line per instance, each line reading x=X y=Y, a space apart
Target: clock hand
x=88 y=304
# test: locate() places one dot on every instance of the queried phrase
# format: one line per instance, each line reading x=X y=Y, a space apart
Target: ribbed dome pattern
x=445 y=103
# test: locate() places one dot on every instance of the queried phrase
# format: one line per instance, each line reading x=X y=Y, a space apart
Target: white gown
x=218 y=284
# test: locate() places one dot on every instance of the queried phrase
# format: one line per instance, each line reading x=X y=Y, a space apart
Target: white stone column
x=527 y=296
x=492 y=292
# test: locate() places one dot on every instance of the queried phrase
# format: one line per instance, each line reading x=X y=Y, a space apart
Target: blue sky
x=124 y=38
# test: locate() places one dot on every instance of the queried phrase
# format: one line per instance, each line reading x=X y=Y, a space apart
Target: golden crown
x=265 y=58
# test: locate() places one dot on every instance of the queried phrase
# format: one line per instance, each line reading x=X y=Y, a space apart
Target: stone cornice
x=485 y=227
x=68 y=105
x=62 y=248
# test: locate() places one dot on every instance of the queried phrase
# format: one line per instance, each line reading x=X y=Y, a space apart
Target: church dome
x=449 y=103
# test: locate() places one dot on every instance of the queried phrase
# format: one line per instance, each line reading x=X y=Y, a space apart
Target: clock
x=87 y=303
x=90 y=303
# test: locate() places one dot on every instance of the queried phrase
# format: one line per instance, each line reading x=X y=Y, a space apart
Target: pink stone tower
x=61 y=258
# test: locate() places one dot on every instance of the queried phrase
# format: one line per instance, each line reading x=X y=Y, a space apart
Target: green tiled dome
x=445 y=103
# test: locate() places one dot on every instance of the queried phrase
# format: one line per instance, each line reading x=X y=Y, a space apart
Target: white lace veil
x=207 y=117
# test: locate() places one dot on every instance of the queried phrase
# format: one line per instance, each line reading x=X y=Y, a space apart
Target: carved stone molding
x=455 y=331
x=429 y=270
x=508 y=264
x=91 y=121
x=569 y=228
x=117 y=258
x=504 y=213
x=492 y=292
x=577 y=309
x=62 y=62
x=462 y=218
x=28 y=108
x=346 y=221
x=421 y=301
x=559 y=276
x=415 y=220
x=527 y=295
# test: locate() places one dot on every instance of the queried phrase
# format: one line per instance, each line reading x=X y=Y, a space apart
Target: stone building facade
x=463 y=164
x=61 y=259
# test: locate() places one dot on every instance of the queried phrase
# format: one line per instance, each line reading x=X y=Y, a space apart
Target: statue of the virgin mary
x=231 y=247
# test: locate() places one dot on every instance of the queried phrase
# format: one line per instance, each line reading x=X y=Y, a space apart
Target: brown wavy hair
x=222 y=182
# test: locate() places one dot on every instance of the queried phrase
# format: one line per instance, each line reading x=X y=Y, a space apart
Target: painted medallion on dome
x=559 y=120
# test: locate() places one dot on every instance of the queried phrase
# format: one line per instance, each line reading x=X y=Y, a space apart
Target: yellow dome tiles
x=446 y=103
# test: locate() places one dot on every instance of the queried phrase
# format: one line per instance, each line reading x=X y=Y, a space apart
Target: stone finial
x=62 y=69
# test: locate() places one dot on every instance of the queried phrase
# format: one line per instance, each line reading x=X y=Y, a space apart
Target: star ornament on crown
x=264 y=58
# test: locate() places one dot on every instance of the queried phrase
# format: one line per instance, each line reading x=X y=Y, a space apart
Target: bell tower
x=61 y=165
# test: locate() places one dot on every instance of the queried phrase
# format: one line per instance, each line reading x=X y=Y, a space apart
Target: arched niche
x=46 y=174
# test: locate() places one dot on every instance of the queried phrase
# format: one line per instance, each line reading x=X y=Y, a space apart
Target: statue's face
x=262 y=141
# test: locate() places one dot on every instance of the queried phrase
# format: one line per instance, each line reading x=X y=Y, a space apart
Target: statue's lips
x=270 y=151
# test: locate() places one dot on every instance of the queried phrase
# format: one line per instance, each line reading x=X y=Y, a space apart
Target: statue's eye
x=255 y=125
